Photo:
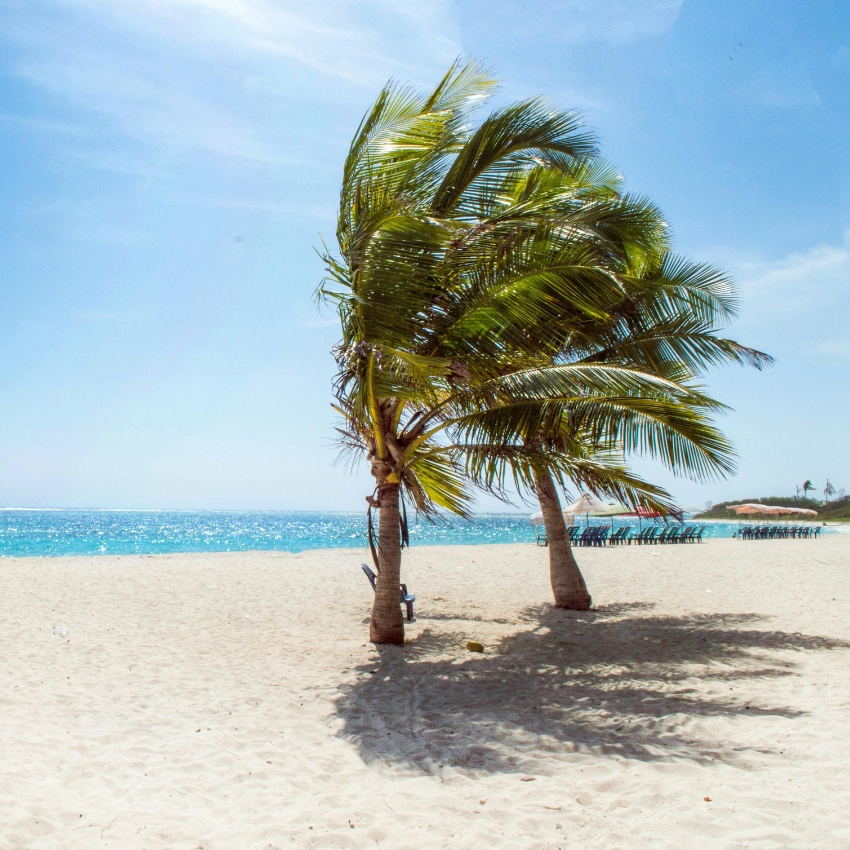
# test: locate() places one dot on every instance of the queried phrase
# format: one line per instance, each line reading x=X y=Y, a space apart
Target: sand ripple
x=223 y=701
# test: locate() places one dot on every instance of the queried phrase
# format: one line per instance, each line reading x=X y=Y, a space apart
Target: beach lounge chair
x=679 y=534
x=618 y=538
x=405 y=598
x=542 y=539
x=647 y=536
x=591 y=536
x=667 y=535
x=585 y=537
x=687 y=536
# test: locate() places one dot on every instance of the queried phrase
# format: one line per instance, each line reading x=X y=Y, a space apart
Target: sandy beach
x=232 y=701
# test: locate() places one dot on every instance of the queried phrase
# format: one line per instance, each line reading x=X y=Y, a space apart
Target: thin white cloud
x=821 y=272
x=110 y=234
x=800 y=302
x=351 y=40
x=213 y=75
x=105 y=317
x=835 y=346
x=144 y=107
x=42 y=125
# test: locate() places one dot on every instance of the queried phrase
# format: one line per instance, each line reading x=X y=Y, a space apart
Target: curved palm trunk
x=387 y=624
x=567 y=581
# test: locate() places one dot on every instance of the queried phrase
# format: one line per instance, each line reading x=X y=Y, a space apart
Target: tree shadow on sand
x=614 y=682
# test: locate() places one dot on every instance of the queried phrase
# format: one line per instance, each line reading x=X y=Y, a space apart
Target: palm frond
x=505 y=306
x=513 y=134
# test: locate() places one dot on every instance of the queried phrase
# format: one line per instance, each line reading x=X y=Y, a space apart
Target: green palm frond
x=519 y=133
x=493 y=467
x=500 y=296
x=685 y=342
x=435 y=480
x=676 y=283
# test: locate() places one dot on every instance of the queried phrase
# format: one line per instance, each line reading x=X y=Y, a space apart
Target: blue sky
x=169 y=166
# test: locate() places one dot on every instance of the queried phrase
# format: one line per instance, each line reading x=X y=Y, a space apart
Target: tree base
x=393 y=637
x=575 y=605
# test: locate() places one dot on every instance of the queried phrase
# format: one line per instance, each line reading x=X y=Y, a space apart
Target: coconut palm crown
x=471 y=258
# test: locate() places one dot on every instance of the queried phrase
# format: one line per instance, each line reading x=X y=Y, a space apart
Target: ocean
x=27 y=532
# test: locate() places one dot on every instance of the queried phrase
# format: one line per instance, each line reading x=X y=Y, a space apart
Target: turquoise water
x=64 y=532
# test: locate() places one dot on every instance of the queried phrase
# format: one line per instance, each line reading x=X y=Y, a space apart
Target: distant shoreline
x=68 y=533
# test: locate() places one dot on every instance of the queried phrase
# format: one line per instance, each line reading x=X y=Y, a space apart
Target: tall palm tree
x=666 y=324
x=541 y=448
x=582 y=439
x=466 y=255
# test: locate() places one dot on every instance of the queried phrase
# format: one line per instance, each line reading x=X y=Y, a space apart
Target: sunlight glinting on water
x=61 y=532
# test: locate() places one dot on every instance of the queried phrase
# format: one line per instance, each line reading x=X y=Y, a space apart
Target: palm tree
x=665 y=325
x=466 y=258
x=545 y=465
x=581 y=439
x=807 y=485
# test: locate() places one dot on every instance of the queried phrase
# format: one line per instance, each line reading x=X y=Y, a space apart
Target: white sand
x=231 y=701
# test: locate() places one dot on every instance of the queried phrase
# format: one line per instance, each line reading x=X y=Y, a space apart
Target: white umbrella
x=591 y=505
x=586 y=504
x=537 y=519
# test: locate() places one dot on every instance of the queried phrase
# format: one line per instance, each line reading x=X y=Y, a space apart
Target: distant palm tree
x=828 y=491
x=807 y=485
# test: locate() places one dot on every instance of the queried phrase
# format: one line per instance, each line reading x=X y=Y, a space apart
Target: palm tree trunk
x=567 y=581
x=387 y=624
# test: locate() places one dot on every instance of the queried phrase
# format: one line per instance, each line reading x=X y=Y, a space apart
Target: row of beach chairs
x=600 y=535
x=776 y=532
